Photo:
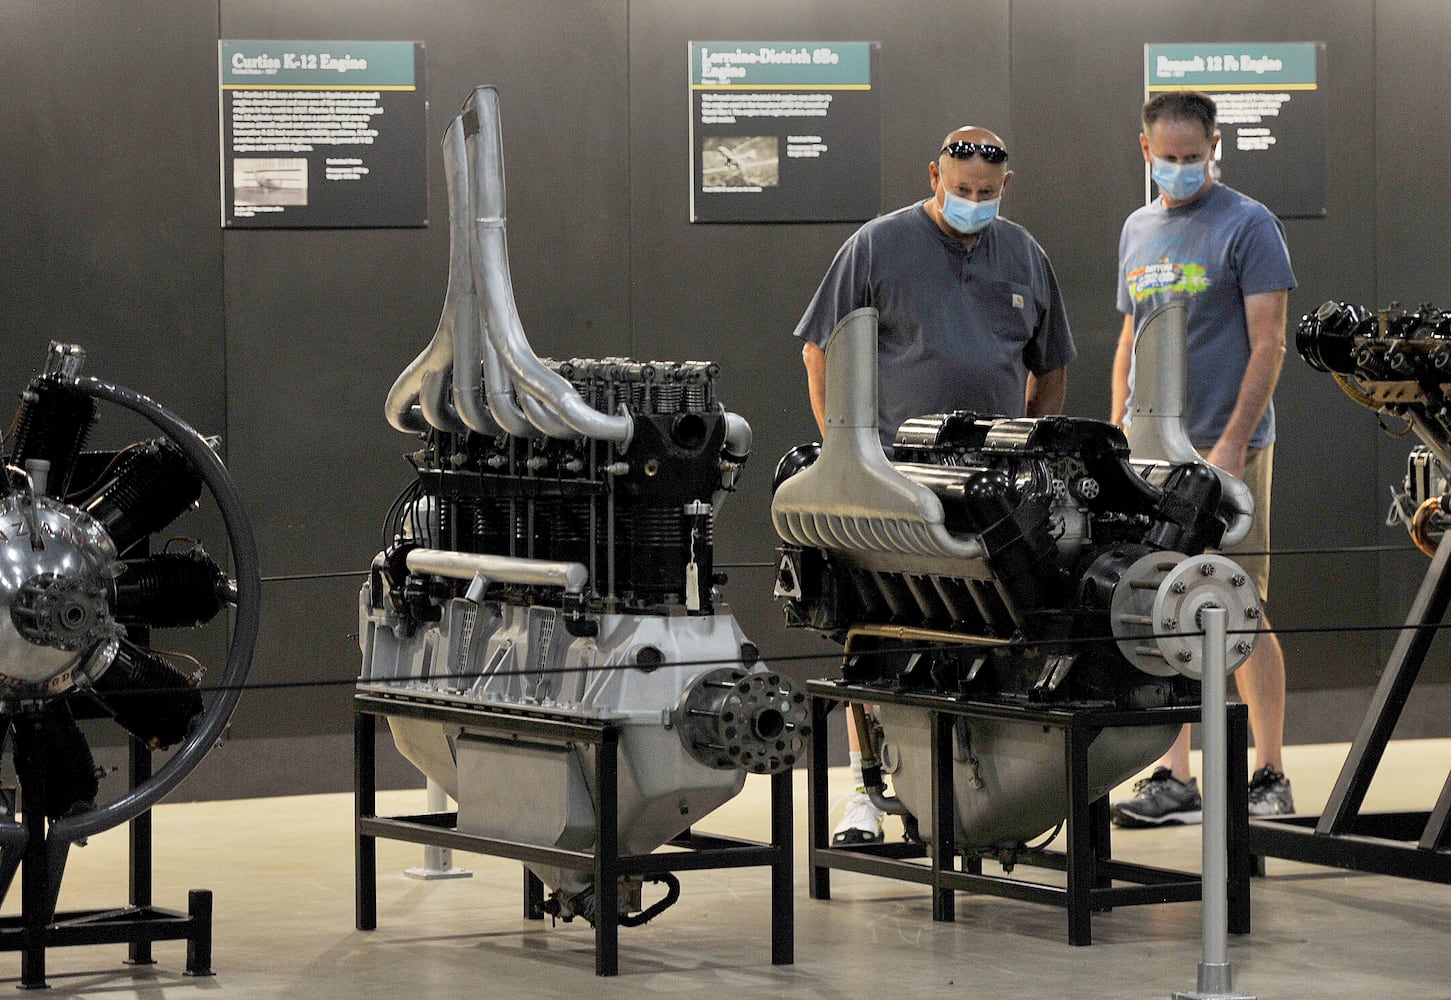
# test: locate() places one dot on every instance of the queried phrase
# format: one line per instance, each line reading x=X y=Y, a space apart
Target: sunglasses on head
x=962 y=150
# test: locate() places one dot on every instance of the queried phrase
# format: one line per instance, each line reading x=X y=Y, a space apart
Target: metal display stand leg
x=1414 y=845
x=783 y=869
x=365 y=805
x=607 y=873
x=1083 y=853
x=533 y=896
x=818 y=817
x=944 y=817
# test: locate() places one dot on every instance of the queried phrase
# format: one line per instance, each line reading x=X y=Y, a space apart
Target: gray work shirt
x=958 y=329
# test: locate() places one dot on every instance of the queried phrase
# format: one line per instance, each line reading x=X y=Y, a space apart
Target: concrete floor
x=282 y=873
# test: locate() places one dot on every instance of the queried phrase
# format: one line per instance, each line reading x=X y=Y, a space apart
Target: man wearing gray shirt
x=1224 y=254
x=970 y=318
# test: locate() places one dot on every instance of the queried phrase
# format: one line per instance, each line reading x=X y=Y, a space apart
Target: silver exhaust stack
x=547 y=399
x=1156 y=429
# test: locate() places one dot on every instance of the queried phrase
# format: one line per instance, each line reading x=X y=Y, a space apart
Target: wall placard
x=784 y=132
x=1271 y=102
x=323 y=134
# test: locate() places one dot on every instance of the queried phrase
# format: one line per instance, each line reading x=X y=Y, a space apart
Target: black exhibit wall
x=285 y=341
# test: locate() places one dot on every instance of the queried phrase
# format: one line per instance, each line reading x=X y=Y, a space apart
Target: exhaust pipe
x=1156 y=430
x=421 y=396
x=460 y=304
x=547 y=399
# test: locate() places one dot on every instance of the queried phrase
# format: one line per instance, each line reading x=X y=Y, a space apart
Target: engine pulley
x=734 y=718
x=61 y=612
x=1158 y=607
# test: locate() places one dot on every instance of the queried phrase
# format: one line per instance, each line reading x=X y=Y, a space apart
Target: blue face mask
x=1177 y=180
x=967 y=216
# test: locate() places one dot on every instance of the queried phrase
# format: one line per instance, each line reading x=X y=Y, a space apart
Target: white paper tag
x=692 y=587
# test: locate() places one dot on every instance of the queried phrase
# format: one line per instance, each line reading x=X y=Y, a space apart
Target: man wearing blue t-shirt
x=969 y=318
x=1224 y=254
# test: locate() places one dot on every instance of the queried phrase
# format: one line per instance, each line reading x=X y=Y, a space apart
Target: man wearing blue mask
x=1224 y=254
x=969 y=318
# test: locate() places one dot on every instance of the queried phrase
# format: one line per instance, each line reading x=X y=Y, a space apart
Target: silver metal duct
x=735 y=450
x=402 y=407
x=460 y=306
x=1156 y=426
x=852 y=498
x=435 y=400
x=420 y=396
x=572 y=576
x=560 y=409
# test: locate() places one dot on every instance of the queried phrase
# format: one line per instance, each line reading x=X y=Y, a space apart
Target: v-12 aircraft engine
x=554 y=558
x=1017 y=561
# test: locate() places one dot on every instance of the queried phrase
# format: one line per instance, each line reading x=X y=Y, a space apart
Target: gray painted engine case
x=522 y=657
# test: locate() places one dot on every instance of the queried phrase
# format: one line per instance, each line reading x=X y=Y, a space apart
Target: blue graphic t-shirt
x=1211 y=252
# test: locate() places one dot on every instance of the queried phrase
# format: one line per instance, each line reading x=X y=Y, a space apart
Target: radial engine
x=1015 y=561
x=81 y=591
x=554 y=558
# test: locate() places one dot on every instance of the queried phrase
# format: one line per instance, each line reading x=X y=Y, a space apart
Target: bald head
x=972 y=133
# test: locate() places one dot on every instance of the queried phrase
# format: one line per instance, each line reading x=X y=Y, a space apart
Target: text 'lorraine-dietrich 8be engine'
x=554 y=559
x=1016 y=561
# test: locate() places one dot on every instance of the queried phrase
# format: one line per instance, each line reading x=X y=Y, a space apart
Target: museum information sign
x=323 y=134
x=784 y=132
x=1271 y=114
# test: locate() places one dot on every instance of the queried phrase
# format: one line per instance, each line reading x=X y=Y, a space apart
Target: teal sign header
x=1231 y=66
x=321 y=65
x=840 y=65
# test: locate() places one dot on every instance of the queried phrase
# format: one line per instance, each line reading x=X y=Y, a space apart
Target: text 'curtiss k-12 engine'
x=984 y=560
x=554 y=558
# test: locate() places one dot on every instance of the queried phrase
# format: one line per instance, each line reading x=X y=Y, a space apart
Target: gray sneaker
x=1269 y=793
x=1160 y=799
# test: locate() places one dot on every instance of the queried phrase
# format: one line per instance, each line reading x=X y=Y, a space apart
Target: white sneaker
x=862 y=823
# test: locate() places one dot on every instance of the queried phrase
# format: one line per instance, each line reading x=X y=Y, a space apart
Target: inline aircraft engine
x=1016 y=561
x=553 y=559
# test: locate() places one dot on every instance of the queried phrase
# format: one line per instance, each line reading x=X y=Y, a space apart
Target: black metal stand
x=606 y=863
x=137 y=925
x=1414 y=845
x=1087 y=862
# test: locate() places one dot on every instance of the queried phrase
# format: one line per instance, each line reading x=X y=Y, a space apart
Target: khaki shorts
x=1258 y=472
